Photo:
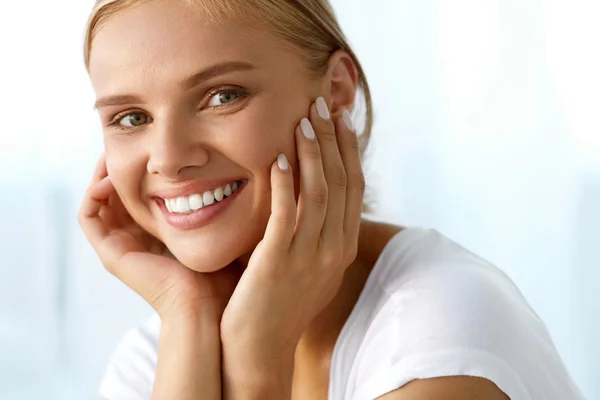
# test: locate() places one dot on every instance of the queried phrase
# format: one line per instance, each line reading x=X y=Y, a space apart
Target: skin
x=256 y=251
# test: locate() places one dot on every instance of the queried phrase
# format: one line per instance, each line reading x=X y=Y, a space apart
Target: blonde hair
x=308 y=25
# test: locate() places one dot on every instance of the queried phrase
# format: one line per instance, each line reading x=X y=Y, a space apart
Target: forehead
x=160 y=39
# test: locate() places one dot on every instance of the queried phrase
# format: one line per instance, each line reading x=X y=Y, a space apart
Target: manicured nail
x=322 y=108
x=307 y=129
x=348 y=120
x=282 y=162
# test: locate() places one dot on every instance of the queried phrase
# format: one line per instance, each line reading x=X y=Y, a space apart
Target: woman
x=230 y=199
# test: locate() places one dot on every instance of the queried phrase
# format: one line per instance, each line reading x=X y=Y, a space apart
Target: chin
x=201 y=260
x=211 y=251
x=230 y=235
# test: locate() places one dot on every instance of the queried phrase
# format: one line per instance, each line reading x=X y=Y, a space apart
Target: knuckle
x=332 y=257
x=82 y=225
x=89 y=191
x=359 y=182
x=284 y=216
x=82 y=218
x=111 y=268
x=313 y=152
x=339 y=177
x=362 y=184
x=328 y=135
x=351 y=252
x=318 y=195
x=353 y=142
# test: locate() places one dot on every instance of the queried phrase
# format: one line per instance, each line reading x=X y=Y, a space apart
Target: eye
x=223 y=97
x=134 y=120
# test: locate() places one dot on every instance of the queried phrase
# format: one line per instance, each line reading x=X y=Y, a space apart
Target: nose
x=175 y=150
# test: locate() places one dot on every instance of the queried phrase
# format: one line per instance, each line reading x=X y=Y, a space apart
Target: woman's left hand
x=298 y=267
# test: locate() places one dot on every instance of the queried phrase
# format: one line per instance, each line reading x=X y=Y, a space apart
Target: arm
x=298 y=267
x=255 y=377
x=189 y=357
x=448 y=388
x=276 y=384
x=190 y=303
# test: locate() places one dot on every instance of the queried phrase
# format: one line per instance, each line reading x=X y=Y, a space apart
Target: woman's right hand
x=137 y=258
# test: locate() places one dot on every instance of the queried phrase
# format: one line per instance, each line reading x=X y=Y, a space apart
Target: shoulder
x=434 y=309
x=429 y=271
x=131 y=368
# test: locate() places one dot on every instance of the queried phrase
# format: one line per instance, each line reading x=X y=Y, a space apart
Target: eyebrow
x=214 y=71
x=194 y=80
x=116 y=101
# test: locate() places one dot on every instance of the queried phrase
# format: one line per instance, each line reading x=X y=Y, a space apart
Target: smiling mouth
x=190 y=204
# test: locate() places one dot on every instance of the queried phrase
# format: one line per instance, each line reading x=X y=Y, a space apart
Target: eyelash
x=115 y=122
x=227 y=89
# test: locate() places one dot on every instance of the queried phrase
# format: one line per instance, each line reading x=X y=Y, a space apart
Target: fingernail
x=282 y=162
x=307 y=129
x=348 y=120
x=322 y=108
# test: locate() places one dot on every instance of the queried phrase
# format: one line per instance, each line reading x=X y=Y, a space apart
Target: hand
x=297 y=269
x=137 y=258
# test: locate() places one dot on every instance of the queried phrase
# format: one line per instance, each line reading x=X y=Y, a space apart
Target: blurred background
x=487 y=130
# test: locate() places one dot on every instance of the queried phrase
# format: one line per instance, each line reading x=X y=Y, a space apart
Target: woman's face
x=188 y=107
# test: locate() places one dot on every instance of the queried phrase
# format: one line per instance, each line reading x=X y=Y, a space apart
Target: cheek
x=124 y=158
x=126 y=171
x=266 y=130
x=259 y=134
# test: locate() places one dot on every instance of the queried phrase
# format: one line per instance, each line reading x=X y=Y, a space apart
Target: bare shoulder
x=448 y=388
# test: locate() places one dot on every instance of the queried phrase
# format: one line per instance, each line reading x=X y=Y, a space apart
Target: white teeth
x=196 y=202
x=208 y=198
x=183 y=205
x=219 y=194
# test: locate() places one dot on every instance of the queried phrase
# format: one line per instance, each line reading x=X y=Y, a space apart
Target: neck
x=325 y=328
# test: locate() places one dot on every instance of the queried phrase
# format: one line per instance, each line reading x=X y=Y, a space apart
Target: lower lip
x=201 y=217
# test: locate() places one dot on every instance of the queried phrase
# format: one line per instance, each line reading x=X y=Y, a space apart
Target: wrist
x=202 y=314
x=256 y=375
x=189 y=356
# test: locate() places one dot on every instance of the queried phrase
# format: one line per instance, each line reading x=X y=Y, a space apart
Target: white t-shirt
x=430 y=308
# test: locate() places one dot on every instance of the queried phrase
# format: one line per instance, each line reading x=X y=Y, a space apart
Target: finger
x=312 y=201
x=96 y=196
x=98 y=191
x=355 y=188
x=95 y=199
x=100 y=171
x=281 y=225
x=335 y=174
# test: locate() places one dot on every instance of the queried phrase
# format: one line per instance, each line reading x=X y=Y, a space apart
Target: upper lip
x=195 y=187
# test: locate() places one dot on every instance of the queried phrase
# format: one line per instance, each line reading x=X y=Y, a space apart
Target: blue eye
x=223 y=97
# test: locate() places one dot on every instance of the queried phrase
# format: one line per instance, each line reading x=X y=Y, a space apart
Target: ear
x=343 y=81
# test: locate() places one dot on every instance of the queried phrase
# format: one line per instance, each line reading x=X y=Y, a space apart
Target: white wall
x=486 y=130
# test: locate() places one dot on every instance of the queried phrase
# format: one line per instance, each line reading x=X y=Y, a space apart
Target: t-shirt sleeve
x=131 y=369
x=459 y=320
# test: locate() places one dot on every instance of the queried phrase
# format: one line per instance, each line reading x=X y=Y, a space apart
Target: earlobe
x=343 y=81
